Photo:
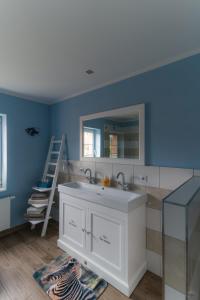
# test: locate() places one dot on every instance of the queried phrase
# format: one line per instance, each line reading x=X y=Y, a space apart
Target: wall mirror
x=115 y=135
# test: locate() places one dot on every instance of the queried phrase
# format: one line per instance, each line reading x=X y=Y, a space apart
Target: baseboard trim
x=136 y=279
x=13 y=230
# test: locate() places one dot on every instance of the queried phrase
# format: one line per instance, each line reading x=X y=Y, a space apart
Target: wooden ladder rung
x=50 y=175
x=52 y=164
x=55 y=152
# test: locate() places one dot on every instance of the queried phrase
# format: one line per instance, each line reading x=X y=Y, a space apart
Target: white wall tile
x=175 y=221
x=126 y=169
x=65 y=166
x=196 y=172
x=88 y=164
x=154 y=263
x=151 y=175
x=103 y=169
x=154 y=219
x=171 y=178
x=74 y=167
x=172 y=294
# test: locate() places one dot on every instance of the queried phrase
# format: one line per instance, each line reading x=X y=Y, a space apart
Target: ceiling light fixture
x=89 y=72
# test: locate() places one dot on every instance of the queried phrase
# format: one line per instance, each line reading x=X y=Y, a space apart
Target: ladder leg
x=33 y=226
x=46 y=221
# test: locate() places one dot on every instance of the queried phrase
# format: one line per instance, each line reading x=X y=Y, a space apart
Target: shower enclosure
x=181 y=242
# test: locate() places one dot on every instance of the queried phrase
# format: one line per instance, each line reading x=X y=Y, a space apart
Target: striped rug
x=65 y=278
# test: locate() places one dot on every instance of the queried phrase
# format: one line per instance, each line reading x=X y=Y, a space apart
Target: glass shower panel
x=193 y=237
x=181 y=242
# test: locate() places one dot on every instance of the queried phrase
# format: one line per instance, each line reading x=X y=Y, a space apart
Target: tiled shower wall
x=157 y=182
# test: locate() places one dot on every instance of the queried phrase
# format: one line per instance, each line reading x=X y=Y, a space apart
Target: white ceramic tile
x=154 y=263
x=150 y=175
x=161 y=267
x=126 y=169
x=193 y=216
x=154 y=219
x=174 y=221
x=74 y=167
x=88 y=164
x=172 y=294
x=171 y=178
x=65 y=166
x=103 y=169
x=196 y=172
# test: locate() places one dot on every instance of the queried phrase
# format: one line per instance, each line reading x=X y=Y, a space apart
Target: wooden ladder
x=46 y=175
x=55 y=163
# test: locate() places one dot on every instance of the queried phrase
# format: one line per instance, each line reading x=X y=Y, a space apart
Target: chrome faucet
x=90 y=178
x=124 y=185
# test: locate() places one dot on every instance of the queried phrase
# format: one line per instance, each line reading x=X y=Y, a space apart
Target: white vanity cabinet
x=73 y=222
x=106 y=240
x=110 y=242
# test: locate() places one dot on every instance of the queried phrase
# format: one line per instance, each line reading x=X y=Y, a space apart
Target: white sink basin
x=110 y=197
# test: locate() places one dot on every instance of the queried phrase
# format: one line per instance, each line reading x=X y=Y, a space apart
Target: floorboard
x=23 y=252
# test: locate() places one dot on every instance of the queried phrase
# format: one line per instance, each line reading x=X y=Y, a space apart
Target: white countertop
x=110 y=197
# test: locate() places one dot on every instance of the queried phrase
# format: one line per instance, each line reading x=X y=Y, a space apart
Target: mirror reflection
x=112 y=137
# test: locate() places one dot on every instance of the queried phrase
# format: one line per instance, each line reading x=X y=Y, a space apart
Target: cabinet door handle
x=83 y=229
x=104 y=240
x=88 y=232
x=72 y=223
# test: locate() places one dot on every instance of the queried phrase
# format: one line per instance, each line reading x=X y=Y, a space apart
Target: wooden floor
x=23 y=252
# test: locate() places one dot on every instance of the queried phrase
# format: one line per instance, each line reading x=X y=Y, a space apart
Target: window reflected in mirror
x=92 y=142
x=111 y=137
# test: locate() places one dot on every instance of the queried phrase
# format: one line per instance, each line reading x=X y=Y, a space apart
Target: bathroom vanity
x=105 y=229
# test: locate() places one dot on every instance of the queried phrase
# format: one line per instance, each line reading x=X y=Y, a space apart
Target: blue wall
x=26 y=155
x=172 y=97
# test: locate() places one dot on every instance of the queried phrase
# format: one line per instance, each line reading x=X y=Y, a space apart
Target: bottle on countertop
x=106 y=181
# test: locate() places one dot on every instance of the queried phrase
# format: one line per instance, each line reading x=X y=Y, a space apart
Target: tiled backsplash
x=171 y=178
x=157 y=182
x=159 y=177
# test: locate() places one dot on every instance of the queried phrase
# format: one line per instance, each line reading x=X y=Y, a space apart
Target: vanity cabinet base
x=123 y=286
x=109 y=242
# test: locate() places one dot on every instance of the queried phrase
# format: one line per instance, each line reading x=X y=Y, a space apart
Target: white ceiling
x=47 y=45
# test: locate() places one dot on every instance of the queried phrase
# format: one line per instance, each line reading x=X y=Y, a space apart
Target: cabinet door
x=73 y=221
x=106 y=239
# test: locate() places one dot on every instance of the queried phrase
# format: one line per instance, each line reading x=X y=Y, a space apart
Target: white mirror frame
x=140 y=108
